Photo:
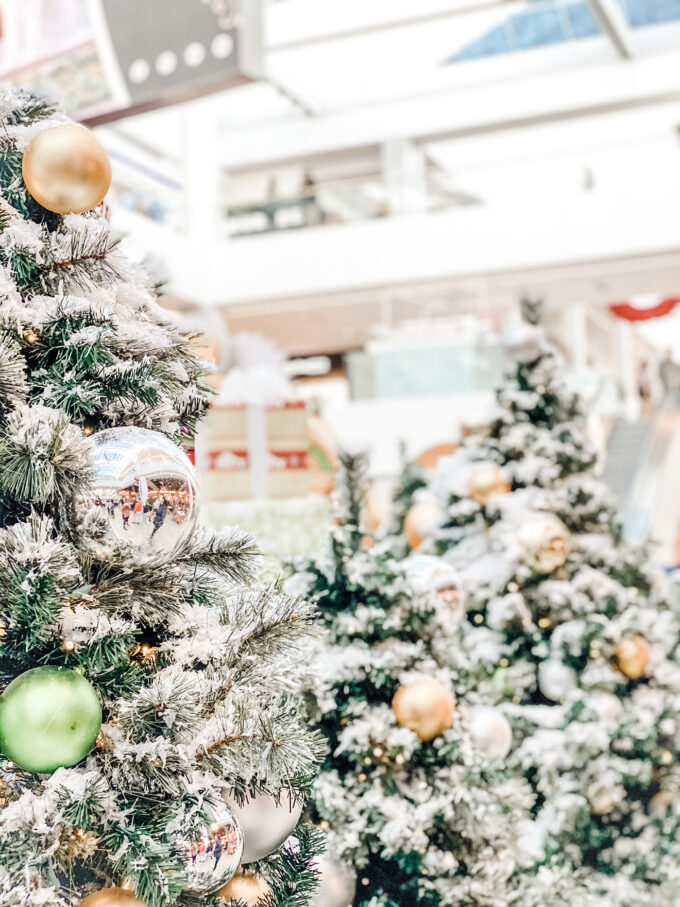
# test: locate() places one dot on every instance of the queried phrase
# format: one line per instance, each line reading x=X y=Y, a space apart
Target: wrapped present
x=257 y=451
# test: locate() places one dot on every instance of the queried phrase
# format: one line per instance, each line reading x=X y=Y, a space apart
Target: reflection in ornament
x=429 y=574
x=265 y=822
x=144 y=494
x=66 y=170
x=425 y=706
x=491 y=732
x=49 y=718
x=337 y=884
x=112 y=897
x=211 y=853
x=545 y=542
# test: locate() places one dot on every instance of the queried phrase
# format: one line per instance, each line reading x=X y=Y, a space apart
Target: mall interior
x=372 y=216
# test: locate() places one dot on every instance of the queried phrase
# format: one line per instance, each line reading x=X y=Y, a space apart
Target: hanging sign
x=632 y=313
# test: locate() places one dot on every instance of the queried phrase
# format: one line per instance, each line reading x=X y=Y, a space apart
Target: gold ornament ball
x=421 y=516
x=112 y=897
x=424 y=706
x=545 y=542
x=66 y=170
x=485 y=482
x=249 y=889
x=632 y=656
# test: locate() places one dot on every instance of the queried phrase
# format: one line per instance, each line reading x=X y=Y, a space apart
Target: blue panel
x=651 y=12
x=583 y=22
x=538 y=27
x=493 y=42
x=541 y=25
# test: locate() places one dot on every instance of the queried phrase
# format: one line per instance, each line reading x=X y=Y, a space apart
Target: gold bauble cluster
x=425 y=706
x=486 y=482
x=421 y=516
x=632 y=656
x=249 y=889
x=66 y=170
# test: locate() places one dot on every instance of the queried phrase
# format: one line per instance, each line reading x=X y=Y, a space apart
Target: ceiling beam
x=613 y=22
x=560 y=94
x=299 y=23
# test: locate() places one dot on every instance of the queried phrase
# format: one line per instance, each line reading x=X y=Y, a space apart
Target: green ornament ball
x=49 y=718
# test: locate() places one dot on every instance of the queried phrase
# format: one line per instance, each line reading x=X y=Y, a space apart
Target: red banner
x=630 y=313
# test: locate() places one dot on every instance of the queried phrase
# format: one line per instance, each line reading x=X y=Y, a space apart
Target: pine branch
x=229 y=553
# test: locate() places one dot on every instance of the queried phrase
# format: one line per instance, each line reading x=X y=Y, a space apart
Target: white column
x=626 y=367
x=575 y=333
x=403 y=169
x=205 y=223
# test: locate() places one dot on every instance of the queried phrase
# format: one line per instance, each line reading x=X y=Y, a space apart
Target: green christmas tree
x=415 y=796
x=146 y=712
x=579 y=631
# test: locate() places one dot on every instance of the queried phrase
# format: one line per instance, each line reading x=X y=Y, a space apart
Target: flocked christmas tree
x=415 y=797
x=147 y=693
x=579 y=631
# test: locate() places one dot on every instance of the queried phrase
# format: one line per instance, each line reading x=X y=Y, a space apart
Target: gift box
x=254 y=451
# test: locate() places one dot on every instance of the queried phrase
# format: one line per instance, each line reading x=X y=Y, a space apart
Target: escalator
x=642 y=468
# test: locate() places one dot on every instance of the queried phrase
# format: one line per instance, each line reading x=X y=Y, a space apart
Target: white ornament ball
x=428 y=574
x=337 y=884
x=144 y=494
x=491 y=732
x=265 y=822
x=523 y=342
x=556 y=680
x=607 y=706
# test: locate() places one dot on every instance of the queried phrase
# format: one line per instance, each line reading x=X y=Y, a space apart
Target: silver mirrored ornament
x=337 y=884
x=144 y=495
x=211 y=853
x=265 y=822
x=428 y=575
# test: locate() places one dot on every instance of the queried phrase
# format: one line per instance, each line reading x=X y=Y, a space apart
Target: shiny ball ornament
x=660 y=803
x=428 y=575
x=144 y=494
x=606 y=705
x=112 y=897
x=421 y=518
x=544 y=541
x=486 y=482
x=425 y=706
x=491 y=732
x=632 y=656
x=265 y=823
x=556 y=680
x=337 y=884
x=523 y=342
x=246 y=889
x=211 y=852
x=49 y=718
x=66 y=170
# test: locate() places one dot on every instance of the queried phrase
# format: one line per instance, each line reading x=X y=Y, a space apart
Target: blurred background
x=350 y=199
